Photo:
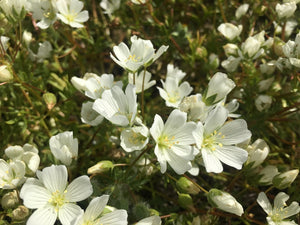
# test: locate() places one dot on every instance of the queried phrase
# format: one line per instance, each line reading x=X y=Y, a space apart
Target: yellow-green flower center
x=210 y=142
x=166 y=142
x=58 y=199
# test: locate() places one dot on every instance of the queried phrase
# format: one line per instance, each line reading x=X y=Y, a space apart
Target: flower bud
x=101 y=167
x=242 y=10
x=5 y=74
x=230 y=49
x=263 y=102
x=224 y=201
x=258 y=152
x=214 y=61
x=186 y=201
x=267 y=174
x=283 y=180
x=10 y=200
x=230 y=31
x=285 y=10
x=20 y=213
x=218 y=88
x=50 y=100
x=186 y=186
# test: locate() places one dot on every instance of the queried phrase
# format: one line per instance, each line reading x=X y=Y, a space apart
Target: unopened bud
x=10 y=200
x=20 y=213
x=186 y=186
x=50 y=100
x=5 y=74
x=186 y=201
x=101 y=167
x=224 y=201
x=283 y=180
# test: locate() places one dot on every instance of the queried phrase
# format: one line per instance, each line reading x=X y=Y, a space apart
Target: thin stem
x=137 y=159
x=133 y=79
x=143 y=87
x=201 y=188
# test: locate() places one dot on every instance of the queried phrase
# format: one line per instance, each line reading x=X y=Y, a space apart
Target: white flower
x=80 y=83
x=95 y=85
x=89 y=115
x=43 y=11
x=289 y=27
x=110 y=6
x=258 y=152
x=252 y=47
x=11 y=174
x=135 y=138
x=70 y=12
x=27 y=37
x=241 y=10
x=230 y=49
x=214 y=60
x=278 y=214
x=139 y=81
x=224 y=201
x=141 y=53
x=175 y=72
x=173 y=141
x=93 y=214
x=216 y=140
x=218 y=88
x=173 y=93
x=152 y=220
x=285 y=179
x=44 y=51
x=28 y=154
x=286 y=10
x=64 y=147
x=229 y=30
x=10 y=6
x=5 y=74
x=53 y=197
x=116 y=106
x=263 y=102
x=231 y=107
x=267 y=174
x=138 y=2
x=194 y=107
x=3 y=44
x=231 y=63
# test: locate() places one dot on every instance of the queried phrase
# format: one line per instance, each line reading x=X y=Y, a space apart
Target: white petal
x=280 y=200
x=211 y=162
x=121 y=51
x=291 y=210
x=264 y=202
x=45 y=216
x=117 y=217
x=82 y=17
x=34 y=196
x=95 y=207
x=215 y=119
x=79 y=189
x=178 y=164
x=68 y=212
x=157 y=127
x=175 y=120
x=198 y=135
x=231 y=155
x=235 y=132
x=55 y=178
x=161 y=159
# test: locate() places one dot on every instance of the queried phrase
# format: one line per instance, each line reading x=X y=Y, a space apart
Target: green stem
x=143 y=87
x=134 y=162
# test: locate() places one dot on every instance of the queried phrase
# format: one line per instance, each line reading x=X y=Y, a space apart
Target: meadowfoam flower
x=89 y=115
x=218 y=88
x=14 y=9
x=217 y=139
x=141 y=53
x=278 y=214
x=175 y=72
x=230 y=31
x=11 y=174
x=118 y=107
x=69 y=11
x=267 y=174
x=96 y=85
x=258 y=152
x=173 y=141
x=285 y=179
x=135 y=138
x=44 y=52
x=241 y=10
x=172 y=92
x=285 y=10
x=110 y=6
x=28 y=154
x=224 y=201
x=93 y=214
x=53 y=198
x=43 y=11
x=64 y=147
x=139 y=81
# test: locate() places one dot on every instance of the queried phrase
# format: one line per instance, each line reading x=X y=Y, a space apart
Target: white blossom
x=110 y=6
x=53 y=198
x=139 y=81
x=263 y=102
x=241 y=10
x=285 y=10
x=229 y=30
x=11 y=174
x=257 y=152
x=89 y=115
